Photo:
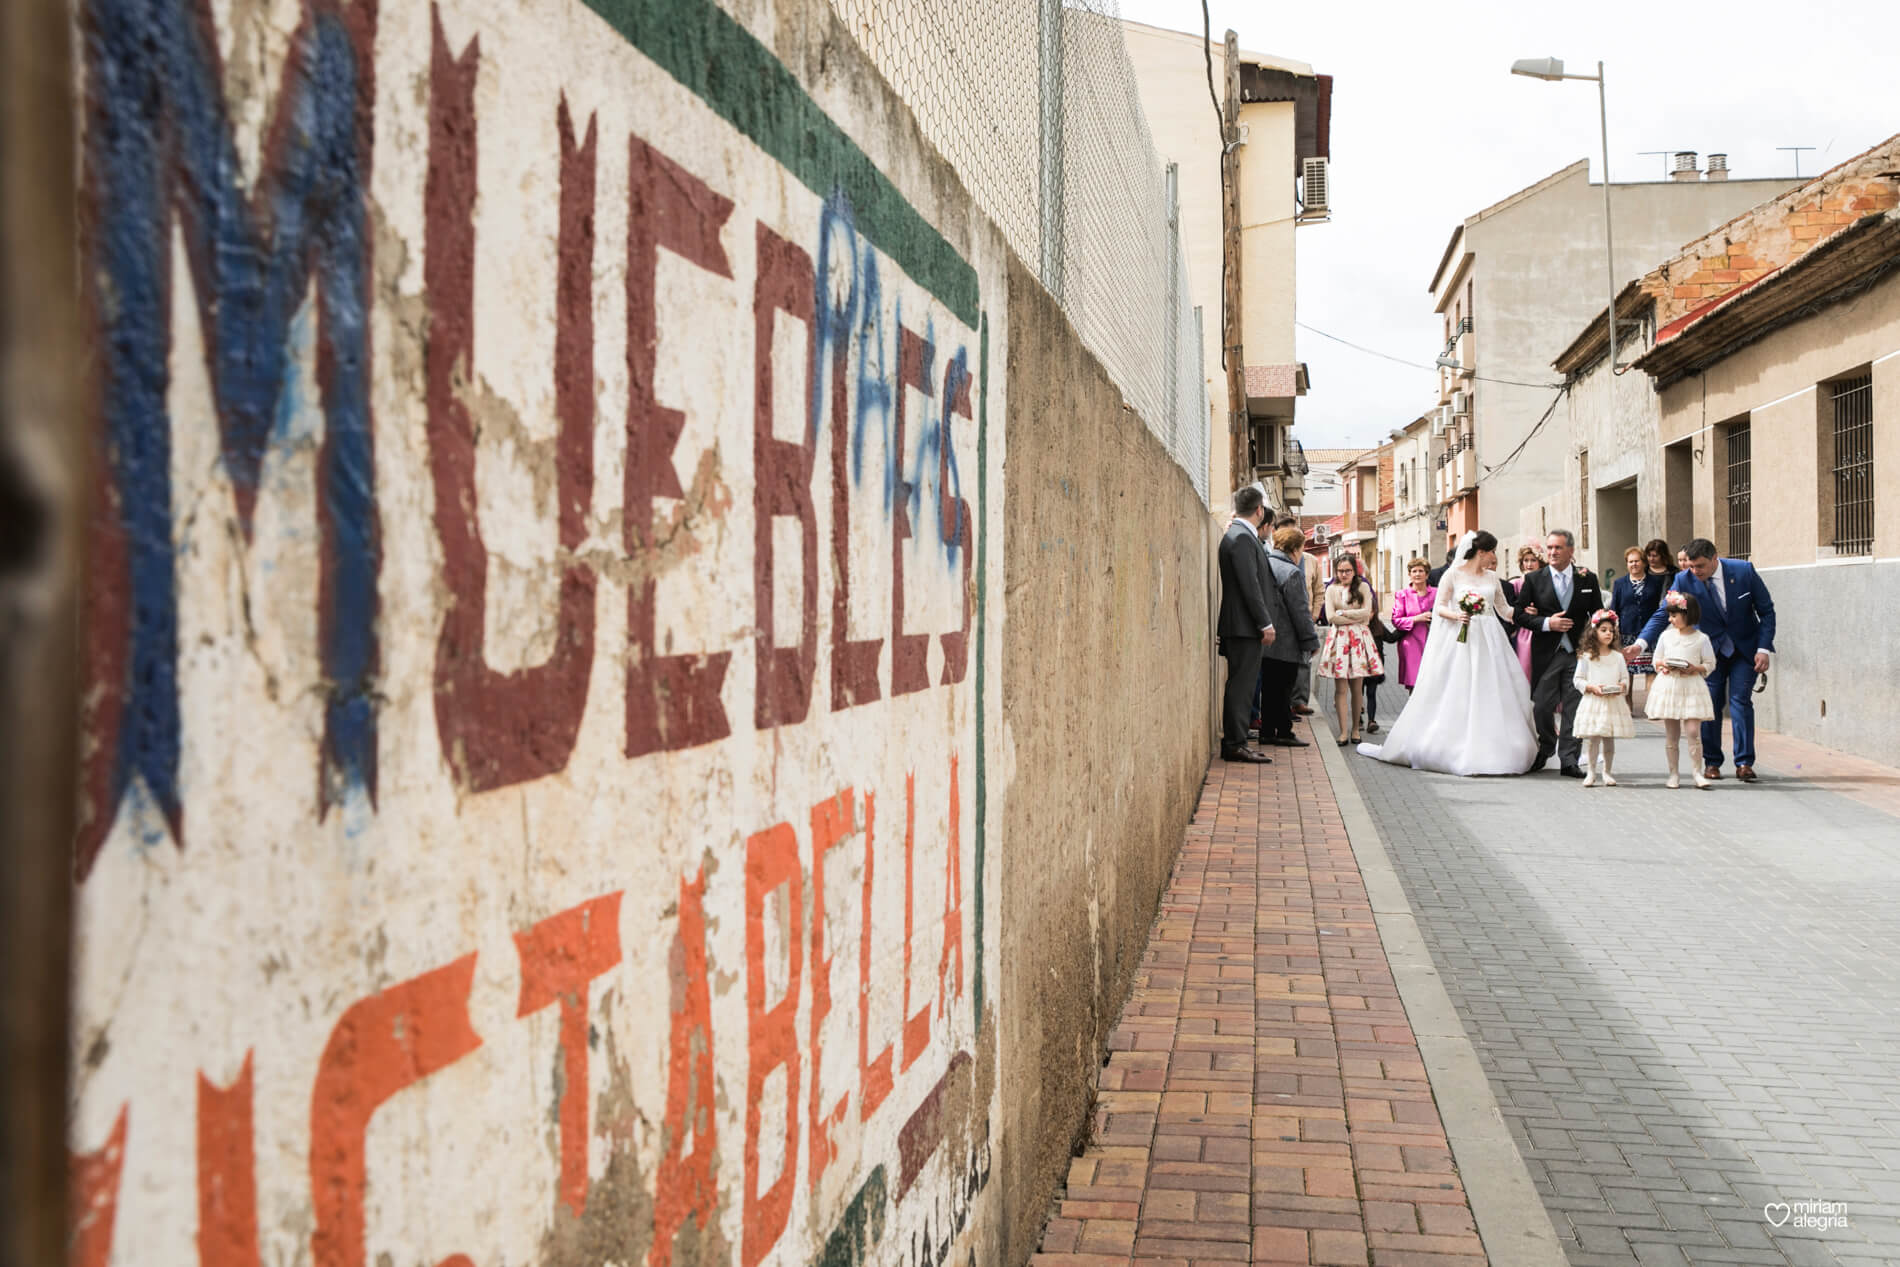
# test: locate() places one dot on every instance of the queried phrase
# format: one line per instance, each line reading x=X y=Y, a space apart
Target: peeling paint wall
x=549 y=788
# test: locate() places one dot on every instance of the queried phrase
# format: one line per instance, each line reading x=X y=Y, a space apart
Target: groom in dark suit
x=1564 y=595
x=1739 y=618
x=1246 y=623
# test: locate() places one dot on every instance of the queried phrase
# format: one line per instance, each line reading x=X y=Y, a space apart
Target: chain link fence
x=1034 y=102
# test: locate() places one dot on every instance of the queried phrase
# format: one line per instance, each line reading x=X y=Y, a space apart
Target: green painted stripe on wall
x=724 y=65
x=982 y=623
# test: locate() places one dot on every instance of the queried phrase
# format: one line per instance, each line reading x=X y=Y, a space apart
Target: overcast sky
x=1429 y=126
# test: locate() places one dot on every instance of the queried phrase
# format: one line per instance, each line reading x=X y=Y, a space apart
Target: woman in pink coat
x=1412 y=619
x=1529 y=560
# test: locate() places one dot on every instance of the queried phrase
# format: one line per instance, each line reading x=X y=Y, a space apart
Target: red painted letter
x=954 y=518
x=672 y=700
x=227 y=1173
x=916 y=1024
x=772 y=1032
x=853 y=661
x=910 y=669
x=559 y=956
x=95 y=1198
x=685 y=1183
x=952 y=898
x=498 y=728
x=384 y=1043
x=831 y=825
x=782 y=488
x=874 y=1076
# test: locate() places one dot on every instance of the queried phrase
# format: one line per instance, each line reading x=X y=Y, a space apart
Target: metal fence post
x=1171 y=363
x=1050 y=174
x=1203 y=421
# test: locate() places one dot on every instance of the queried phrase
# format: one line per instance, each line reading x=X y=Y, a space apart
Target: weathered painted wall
x=1104 y=680
x=551 y=792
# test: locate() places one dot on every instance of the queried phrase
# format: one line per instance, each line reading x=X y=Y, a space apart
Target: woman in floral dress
x=1350 y=654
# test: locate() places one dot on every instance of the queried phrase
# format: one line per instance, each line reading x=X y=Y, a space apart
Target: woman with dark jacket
x=1636 y=596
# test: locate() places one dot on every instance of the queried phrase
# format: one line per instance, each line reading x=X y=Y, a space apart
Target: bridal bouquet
x=1470 y=605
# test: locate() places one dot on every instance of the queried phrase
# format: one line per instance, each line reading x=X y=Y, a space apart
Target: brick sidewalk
x=1264 y=1100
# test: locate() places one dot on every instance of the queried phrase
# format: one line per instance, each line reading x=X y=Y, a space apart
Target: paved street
x=1686 y=1003
x=1265 y=1099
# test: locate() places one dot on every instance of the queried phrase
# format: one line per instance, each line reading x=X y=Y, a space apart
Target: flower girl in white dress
x=1603 y=715
x=1684 y=657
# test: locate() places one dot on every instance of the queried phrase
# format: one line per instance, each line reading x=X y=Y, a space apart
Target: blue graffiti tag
x=851 y=311
x=160 y=144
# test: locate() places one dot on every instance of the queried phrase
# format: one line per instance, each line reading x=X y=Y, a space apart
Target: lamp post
x=1552 y=68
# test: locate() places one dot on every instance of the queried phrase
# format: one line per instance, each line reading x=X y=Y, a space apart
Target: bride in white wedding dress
x=1470 y=712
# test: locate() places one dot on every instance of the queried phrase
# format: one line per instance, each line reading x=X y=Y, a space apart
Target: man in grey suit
x=1245 y=627
x=1293 y=648
x=1316 y=596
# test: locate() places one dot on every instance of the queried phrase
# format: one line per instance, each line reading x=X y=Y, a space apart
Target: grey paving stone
x=1687 y=1003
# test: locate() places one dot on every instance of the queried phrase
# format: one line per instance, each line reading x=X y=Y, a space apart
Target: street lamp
x=1552 y=68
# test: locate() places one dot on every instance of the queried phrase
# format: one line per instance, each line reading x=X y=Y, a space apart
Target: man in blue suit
x=1739 y=618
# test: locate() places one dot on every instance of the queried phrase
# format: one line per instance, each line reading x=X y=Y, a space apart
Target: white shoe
x=1590 y=778
x=1702 y=782
x=1607 y=780
x=1673 y=782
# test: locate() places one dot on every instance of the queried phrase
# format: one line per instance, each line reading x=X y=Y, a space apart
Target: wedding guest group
x=1737 y=615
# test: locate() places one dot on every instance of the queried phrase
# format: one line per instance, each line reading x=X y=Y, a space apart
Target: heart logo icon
x=1776 y=1212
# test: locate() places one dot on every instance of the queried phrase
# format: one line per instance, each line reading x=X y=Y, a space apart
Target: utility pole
x=1798 y=151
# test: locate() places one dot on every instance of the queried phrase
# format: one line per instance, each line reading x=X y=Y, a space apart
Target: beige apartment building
x=1516 y=282
x=1239 y=221
x=1762 y=410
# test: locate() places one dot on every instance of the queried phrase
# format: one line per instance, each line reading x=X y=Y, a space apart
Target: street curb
x=1512 y=1221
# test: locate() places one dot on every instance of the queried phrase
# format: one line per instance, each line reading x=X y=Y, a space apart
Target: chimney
x=1685 y=166
x=1718 y=167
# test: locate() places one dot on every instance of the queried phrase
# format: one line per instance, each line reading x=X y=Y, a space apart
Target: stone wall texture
x=640 y=687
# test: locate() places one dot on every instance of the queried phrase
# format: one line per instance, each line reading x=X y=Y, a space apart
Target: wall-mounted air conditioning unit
x=1315 y=193
x=1460 y=404
x=1441 y=419
x=1266 y=447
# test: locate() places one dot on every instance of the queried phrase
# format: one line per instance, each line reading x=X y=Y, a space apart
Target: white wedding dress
x=1470 y=712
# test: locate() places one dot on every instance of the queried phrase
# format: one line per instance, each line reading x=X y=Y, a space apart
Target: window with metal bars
x=1738 y=498
x=1853 y=400
x=1583 y=499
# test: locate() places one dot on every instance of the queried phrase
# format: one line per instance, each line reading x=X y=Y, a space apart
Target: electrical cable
x=1419 y=365
x=1489 y=471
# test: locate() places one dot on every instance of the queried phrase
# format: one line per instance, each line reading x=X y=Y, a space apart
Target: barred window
x=1853 y=464
x=1583 y=499
x=1737 y=497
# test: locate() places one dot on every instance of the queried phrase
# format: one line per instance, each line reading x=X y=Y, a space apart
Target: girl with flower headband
x=1684 y=656
x=1603 y=714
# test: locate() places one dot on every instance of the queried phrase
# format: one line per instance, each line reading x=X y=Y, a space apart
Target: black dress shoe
x=1543 y=759
x=1571 y=771
x=1288 y=741
x=1247 y=755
